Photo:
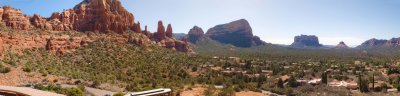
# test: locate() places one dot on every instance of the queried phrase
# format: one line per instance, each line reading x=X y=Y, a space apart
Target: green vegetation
x=73 y=91
x=104 y=61
x=119 y=94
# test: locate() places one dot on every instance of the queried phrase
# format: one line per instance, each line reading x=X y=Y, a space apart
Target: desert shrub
x=5 y=69
x=119 y=94
x=74 y=91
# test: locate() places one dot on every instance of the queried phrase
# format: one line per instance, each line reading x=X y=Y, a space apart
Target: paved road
x=94 y=91
x=27 y=91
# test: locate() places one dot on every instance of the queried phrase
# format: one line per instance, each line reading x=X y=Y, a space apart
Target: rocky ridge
x=394 y=42
x=103 y=16
x=237 y=33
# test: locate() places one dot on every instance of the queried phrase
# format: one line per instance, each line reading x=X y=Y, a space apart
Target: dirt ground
x=196 y=90
x=249 y=93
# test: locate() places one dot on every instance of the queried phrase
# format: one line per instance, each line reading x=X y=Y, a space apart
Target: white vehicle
x=155 y=92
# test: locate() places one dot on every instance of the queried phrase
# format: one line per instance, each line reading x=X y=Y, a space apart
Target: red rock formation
x=103 y=16
x=14 y=18
x=65 y=43
x=1 y=14
x=137 y=28
x=59 y=44
x=195 y=34
x=40 y=22
x=183 y=46
x=341 y=45
x=90 y=15
x=1 y=45
x=160 y=35
x=169 y=31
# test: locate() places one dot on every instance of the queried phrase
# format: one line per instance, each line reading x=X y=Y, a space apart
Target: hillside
x=130 y=66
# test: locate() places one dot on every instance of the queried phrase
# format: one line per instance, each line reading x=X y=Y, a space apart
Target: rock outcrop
x=169 y=33
x=160 y=34
x=14 y=18
x=237 y=33
x=103 y=16
x=61 y=44
x=52 y=43
x=306 y=41
x=90 y=15
x=195 y=34
x=341 y=45
x=394 y=42
x=100 y=15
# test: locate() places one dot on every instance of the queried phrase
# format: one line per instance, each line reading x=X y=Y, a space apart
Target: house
x=392 y=90
x=267 y=71
x=284 y=78
x=219 y=86
x=314 y=81
x=394 y=75
x=351 y=84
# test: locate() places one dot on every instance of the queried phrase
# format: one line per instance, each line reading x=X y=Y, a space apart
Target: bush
x=5 y=70
x=119 y=94
x=27 y=69
x=74 y=91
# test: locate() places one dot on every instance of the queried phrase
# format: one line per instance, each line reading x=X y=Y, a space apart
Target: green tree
x=119 y=94
x=74 y=91
x=280 y=83
x=362 y=83
x=324 y=78
x=261 y=80
x=292 y=82
x=248 y=64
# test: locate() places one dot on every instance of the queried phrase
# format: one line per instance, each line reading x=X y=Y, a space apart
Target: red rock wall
x=59 y=44
x=14 y=18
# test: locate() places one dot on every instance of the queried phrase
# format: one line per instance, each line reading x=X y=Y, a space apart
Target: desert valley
x=98 y=48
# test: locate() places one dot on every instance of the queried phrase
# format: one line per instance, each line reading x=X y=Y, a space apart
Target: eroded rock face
x=90 y=15
x=304 y=41
x=102 y=15
x=1 y=13
x=195 y=34
x=14 y=18
x=137 y=28
x=237 y=33
x=1 y=46
x=182 y=46
x=59 y=44
x=341 y=45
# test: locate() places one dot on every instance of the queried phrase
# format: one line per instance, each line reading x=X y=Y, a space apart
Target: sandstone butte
x=102 y=16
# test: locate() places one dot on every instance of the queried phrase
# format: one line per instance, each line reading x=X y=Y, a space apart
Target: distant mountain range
x=239 y=34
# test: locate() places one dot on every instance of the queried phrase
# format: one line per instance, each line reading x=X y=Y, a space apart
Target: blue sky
x=275 y=21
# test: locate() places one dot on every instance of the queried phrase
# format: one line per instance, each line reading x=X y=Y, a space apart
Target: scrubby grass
x=105 y=61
